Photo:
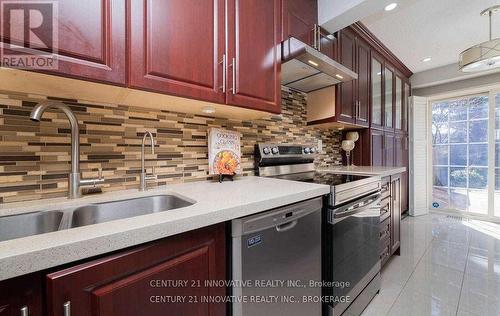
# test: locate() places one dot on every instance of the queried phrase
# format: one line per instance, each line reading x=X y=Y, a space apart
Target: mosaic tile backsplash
x=35 y=157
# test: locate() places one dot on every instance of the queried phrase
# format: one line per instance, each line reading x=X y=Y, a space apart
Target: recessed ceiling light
x=426 y=59
x=315 y=64
x=391 y=6
x=208 y=110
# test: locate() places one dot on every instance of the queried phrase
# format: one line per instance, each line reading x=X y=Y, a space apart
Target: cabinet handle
x=224 y=66
x=234 y=75
x=315 y=35
x=67 y=308
x=319 y=37
x=24 y=311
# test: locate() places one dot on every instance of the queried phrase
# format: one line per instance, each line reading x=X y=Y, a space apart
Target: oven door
x=352 y=252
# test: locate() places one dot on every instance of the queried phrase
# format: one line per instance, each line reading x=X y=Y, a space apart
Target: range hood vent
x=306 y=69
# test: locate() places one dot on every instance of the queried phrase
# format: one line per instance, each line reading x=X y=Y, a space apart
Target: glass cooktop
x=322 y=178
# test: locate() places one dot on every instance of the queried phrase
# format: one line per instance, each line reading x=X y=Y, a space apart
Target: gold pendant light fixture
x=483 y=56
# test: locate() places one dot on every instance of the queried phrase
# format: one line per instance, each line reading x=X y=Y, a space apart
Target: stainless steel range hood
x=306 y=69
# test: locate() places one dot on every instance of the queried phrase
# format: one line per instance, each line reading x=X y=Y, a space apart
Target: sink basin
x=108 y=211
x=22 y=225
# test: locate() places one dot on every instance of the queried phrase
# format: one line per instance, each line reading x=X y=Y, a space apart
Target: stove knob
x=313 y=150
x=307 y=150
x=266 y=150
x=275 y=151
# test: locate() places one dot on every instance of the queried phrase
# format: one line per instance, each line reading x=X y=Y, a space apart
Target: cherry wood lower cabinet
x=390 y=217
x=126 y=283
x=20 y=294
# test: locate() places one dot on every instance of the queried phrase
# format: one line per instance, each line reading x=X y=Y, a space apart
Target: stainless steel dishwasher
x=275 y=256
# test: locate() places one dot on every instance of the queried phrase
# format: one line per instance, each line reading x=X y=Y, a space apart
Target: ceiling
x=440 y=29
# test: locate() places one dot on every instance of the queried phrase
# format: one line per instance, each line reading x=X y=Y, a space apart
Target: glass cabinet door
x=399 y=98
x=389 y=107
x=405 y=106
x=376 y=92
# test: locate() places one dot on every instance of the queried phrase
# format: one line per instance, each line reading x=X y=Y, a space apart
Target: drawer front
x=385 y=231
x=385 y=209
x=386 y=187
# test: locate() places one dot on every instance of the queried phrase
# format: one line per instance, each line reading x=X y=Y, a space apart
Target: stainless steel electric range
x=351 y=215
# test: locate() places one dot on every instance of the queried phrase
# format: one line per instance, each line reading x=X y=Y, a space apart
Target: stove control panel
x=286 y=150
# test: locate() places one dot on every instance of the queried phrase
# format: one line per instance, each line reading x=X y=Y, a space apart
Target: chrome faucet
x=75 y=183
x=144 y=176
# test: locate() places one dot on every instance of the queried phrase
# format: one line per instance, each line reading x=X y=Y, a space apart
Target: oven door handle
x=376 y=200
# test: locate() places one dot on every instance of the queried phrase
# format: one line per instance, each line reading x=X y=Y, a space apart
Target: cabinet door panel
x=395 y=213
x=299 y=18
x=19 y=292
x=377 y=148
x=176 y=47
x=254 y=54
x=398 y=105
x=363 y=83
x=345 y=105
x=389 y=150
x=120 y=284
x=376 y=92
x=389 y=98
x=91 y=40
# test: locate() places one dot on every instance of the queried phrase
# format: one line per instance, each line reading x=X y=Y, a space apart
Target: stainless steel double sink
x=28 y=224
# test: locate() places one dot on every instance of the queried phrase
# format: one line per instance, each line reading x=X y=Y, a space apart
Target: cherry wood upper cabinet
x=254 y=55
x=299 y=19
x=177 y=46
x=377 y=148
x=363 y=83
x=91 y=40
x=125 y=283
x=377 y=92
x=345 y=109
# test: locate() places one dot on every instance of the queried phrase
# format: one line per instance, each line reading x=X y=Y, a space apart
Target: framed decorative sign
x=224 y=152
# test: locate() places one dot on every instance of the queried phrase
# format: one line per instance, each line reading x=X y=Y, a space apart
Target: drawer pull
x=24 y=311
x=67 y=308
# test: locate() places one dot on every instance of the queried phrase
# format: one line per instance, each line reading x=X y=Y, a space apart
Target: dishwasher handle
x=287 y=226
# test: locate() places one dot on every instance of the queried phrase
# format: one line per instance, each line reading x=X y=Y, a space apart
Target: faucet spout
x=144 y=176
x=36 y=115
x=74 y=179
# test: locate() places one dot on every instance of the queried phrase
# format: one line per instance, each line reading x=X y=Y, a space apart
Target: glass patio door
x=461 y=155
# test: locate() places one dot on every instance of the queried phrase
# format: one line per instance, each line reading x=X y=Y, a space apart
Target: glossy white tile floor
x=447 y=267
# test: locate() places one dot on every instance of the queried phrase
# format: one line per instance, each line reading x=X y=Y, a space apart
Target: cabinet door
x=345 y=109
x=377 y=146
x=254 y=54
x=363 y=83
x=377 y=92
x=398 y=104
x=401 y=160
x=22 y=293
x=326 y=42
x=91 y=40
x=389 y=149
x=406 y=95
x=388 y=98
x=176 y=47
x=396 y=213
x=130 y=282
x=299 y=19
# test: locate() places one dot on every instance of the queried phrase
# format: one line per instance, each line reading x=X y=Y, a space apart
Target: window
x=460 y=154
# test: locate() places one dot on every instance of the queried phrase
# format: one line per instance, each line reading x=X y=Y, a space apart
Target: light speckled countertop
x=215 y=203
x=364 y=170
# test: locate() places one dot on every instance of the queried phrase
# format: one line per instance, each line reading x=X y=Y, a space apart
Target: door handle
x=286 y=226
x=224 y=69
x=315 y=36
x=24 y=311
x=234 y=75
x=319 y=37
x=67 y=308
